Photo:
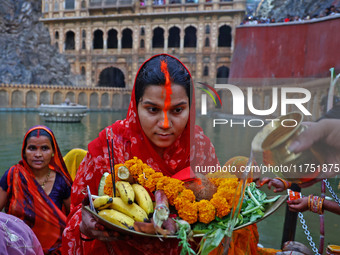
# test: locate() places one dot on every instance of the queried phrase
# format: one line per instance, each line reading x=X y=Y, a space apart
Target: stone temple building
x=106 y=41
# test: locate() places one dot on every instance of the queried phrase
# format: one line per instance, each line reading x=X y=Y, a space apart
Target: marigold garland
x=182 y=198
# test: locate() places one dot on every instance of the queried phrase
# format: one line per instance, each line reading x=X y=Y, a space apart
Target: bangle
x=315 y=204
x=320 y=206
x=309 y=202
x=287 y=184
x=85 y=239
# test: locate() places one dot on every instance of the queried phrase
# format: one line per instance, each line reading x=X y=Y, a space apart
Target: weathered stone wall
x=279 y=9
x=26 y=55
x=31 y=96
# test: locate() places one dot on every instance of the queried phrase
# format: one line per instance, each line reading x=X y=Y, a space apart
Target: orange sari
x=28 y=201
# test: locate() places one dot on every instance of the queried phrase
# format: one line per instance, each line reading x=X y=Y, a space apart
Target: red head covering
x=29 y=202
x=191 y=146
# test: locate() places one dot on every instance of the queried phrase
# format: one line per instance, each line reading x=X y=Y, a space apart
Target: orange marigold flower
x=216 y=181
x=108 y=187
x=206 y=211
x=172 y=190
x=163 y=181
x=229 y=182
x=185 y=196
x=221 y=204
x=188 y=194
x=151 y=182
x=188 y=212
x=146 y=175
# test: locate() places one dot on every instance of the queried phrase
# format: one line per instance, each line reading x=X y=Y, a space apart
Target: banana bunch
x=133 y=204
x=132 y=210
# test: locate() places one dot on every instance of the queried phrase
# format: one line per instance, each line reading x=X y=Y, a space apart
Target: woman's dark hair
x=42 y=132
x=151 y=74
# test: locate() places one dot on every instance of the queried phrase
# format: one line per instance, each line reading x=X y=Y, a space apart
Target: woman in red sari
x=38 y=187
x=159 y=129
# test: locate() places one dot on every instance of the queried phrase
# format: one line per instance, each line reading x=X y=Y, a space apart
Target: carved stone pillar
x=181 y=42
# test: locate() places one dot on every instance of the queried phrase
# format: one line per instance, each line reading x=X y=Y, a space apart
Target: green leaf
x=211 y=241
x=272 y=199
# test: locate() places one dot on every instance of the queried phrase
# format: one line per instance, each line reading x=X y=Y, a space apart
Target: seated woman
x=160 y=130
x=38 y=187
x=17 y=238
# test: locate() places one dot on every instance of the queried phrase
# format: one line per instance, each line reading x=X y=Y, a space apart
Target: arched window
x=83 y=4
x=224 y=36
x=83 y=45
x=190 y=37
x=56 y=6
x=69 y=41
x=98 y=39
x=142 y=31
x=222 y=75
x=82 y=71
x=207 y=29
x=111 y=77
x=174 y=37
x=83 y=33
x=207 y=42
x=56 y=35
x=112 y=39
x=46 y=6
x=158 y=38
x=142 y=44
x=206 y=71
x=69 y=4
x=127 y=39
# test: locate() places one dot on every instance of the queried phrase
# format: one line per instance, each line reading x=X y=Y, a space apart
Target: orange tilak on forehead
x=168 y=92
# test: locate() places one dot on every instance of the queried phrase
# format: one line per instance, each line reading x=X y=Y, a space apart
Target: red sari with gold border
x=28 y=201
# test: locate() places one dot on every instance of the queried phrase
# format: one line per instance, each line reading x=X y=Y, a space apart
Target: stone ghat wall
x=30 y=96
x=282 y=50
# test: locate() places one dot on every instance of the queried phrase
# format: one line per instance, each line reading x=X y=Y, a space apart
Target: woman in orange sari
x=160 y=130
x=38 y=187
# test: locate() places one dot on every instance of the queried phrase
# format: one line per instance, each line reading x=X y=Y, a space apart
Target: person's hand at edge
x=94 y=230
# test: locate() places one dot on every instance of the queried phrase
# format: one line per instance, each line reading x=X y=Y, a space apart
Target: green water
x=228 y=142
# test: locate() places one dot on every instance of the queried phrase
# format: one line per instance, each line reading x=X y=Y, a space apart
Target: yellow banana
x=117 y=218
x=133 y=210
x=125 y=192
x=102 y=202
x=143 y=198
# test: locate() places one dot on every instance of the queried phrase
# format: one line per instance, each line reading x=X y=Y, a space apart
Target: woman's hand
x=92 y=229
x=298 y=205
x=324 y=134
x=276 y=183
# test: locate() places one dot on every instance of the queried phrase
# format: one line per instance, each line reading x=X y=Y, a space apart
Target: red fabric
x=128 y=141
x=185 y=174
x=29 y=202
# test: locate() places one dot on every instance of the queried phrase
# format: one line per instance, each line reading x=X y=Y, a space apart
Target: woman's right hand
x=93 y=229
x=276 y=183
